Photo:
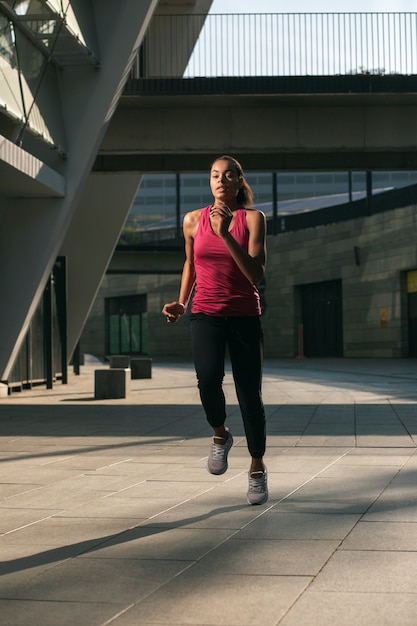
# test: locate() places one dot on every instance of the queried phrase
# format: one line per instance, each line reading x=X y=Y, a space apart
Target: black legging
x=244 y=337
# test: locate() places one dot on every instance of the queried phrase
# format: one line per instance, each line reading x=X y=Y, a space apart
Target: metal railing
x=279 y=44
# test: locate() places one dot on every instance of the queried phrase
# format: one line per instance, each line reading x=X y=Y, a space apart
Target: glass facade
x=37 y=40
x=154 y=212
x=28 y=84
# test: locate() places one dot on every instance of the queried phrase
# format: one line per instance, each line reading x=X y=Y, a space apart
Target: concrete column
x=33 y=230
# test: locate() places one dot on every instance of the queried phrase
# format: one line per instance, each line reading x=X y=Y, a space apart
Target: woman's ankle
x=257 y=465
x=220 y=433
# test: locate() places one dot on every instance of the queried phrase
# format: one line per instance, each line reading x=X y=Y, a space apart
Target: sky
x=318 y=6
x=369 y=53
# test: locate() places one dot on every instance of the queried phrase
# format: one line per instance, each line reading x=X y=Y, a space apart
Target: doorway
x=412 y=312
x=321 y=310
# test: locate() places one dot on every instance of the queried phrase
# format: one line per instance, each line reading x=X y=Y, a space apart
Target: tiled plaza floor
x=109 y=516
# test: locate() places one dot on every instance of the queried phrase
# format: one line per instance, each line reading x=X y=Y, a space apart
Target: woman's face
x=225 y=181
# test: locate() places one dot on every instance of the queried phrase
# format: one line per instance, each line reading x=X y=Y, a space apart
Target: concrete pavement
x=109 y=516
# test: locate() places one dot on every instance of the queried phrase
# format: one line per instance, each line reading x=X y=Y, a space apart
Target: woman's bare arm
x=173 y=310
x=253 y=262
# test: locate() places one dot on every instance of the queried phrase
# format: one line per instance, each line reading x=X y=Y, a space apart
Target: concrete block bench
x=140 y=367
x=112 y=383
x=119 y=361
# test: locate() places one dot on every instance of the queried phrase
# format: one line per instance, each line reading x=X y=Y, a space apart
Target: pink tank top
x=221 y=289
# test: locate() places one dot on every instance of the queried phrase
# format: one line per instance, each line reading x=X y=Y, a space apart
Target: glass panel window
x=144 y=332
x=126 y=325
x=124 y=333
x=113 y=334
x=154 y=207
x=135 y=333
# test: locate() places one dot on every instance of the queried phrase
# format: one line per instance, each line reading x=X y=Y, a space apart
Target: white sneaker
x=258 y=487
x=217 y=458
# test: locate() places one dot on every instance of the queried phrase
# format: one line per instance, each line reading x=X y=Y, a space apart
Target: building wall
x=373 y=279
x=386 y=250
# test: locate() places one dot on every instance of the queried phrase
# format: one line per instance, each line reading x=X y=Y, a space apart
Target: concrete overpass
x=321 y=123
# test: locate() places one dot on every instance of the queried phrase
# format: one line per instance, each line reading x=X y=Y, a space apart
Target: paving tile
x=322 y=441
x=374 y=456
x=51 y=498
x=380 y=441
x=34 y=474
x=165 y=488
x=12 y=519
x=367 y=571
x=22 y=563
x=8 y=490
x=268 y=557
x=296 y=462
x=363 y=475
x=397 y=503
x=145 y=507
x=191 y=600
x=386 y=536
x=333 y=495
x=142 y=469
x=99 y=483
x=151 y=541
x=346 y=609
x=90 y=461
x=198 y=513
x=58 y=531
x=276 y=524
x=24 y=612
x=113 y=506
x=117 y=580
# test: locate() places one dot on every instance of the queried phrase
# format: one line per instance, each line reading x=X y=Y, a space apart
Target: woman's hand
x=220 y=218
x=173 y=311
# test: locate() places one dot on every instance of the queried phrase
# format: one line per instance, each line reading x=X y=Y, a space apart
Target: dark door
x=412 y=324
x=322 y=319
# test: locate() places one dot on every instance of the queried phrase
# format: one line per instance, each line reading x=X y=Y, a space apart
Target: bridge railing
x=278 y=44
